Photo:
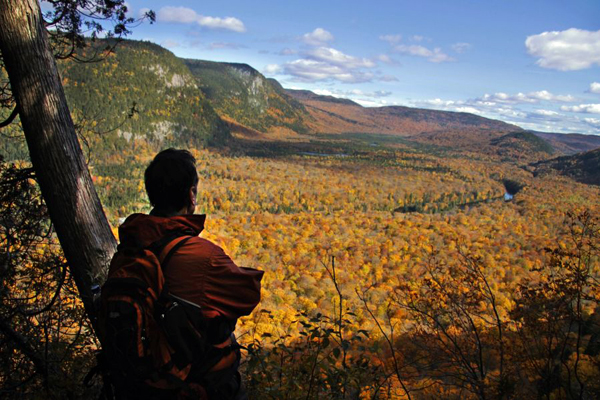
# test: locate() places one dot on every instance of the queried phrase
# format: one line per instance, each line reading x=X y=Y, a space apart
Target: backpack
x=150 y=338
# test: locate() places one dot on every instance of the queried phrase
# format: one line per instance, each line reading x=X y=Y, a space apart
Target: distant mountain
x=584 y=167
x=141 y=91
x=570 y=143
x=454 y=130
x=517 y=146
x=334 y=115
x=246 y=99
x=307 y=95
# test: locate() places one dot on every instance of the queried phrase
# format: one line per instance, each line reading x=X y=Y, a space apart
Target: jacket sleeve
x=230 y=290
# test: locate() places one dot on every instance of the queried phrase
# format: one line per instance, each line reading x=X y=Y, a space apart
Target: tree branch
x=10 y=118
x=23 y=344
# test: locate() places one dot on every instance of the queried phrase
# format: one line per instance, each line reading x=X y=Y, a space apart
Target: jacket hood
x=141 y=230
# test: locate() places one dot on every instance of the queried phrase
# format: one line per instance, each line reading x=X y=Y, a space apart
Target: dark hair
x=168 y=179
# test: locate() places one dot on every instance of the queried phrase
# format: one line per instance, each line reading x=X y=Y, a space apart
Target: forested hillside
x=583 y=167
x=246 y=97
x=139 y=91
x=142 y=91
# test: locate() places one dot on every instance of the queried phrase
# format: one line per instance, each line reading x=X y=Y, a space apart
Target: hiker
x=198 y=271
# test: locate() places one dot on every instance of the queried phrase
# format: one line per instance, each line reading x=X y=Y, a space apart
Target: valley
x=394 y=266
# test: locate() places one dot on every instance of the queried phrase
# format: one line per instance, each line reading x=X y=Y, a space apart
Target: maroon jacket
x=199 y=271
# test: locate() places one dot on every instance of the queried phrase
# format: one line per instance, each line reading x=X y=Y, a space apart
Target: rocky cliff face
x=244 y=96
x=141 y=91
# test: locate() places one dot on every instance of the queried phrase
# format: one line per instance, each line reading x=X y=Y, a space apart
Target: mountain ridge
x=335 y=115
x=570 y=143
x=143 y=91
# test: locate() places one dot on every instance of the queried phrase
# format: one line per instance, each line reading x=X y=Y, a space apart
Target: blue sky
x=535 y=63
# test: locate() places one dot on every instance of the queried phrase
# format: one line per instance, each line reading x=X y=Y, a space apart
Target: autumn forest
x=438 y=256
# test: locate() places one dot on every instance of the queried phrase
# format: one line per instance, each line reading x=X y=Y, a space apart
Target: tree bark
x=63 y=176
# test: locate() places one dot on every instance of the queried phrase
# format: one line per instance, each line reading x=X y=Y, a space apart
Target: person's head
x=171 y=182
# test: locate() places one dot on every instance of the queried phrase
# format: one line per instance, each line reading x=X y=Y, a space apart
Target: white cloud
x=539 y=119
x=325 y=63
x=595 y=122
x=353 y=93
x=595 y=87
x=376 y=94
x=475 y=106
x=461 y=47
x=438 y=102
x=326 y=92
x=365 y=99
x=546 y=113
x=568 y=50
x=391 y=39
x=455 y=105
x=229 y=23
x=184 y=15
x=370 y=103
x=532 y=97
x=583 y=108
x=318 y=37
x=507 y=112
x=313 y=70
x=334 y=56
x=471 y=110
x=436 y=55
x=272 y=69
x=547 y=96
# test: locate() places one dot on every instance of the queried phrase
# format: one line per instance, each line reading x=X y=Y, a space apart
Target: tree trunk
x=59 y=164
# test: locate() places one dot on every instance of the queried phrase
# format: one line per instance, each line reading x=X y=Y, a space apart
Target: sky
x=534 y=63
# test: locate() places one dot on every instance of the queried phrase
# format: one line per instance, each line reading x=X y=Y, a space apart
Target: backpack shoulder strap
x=164 y=255
x=167 y=252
